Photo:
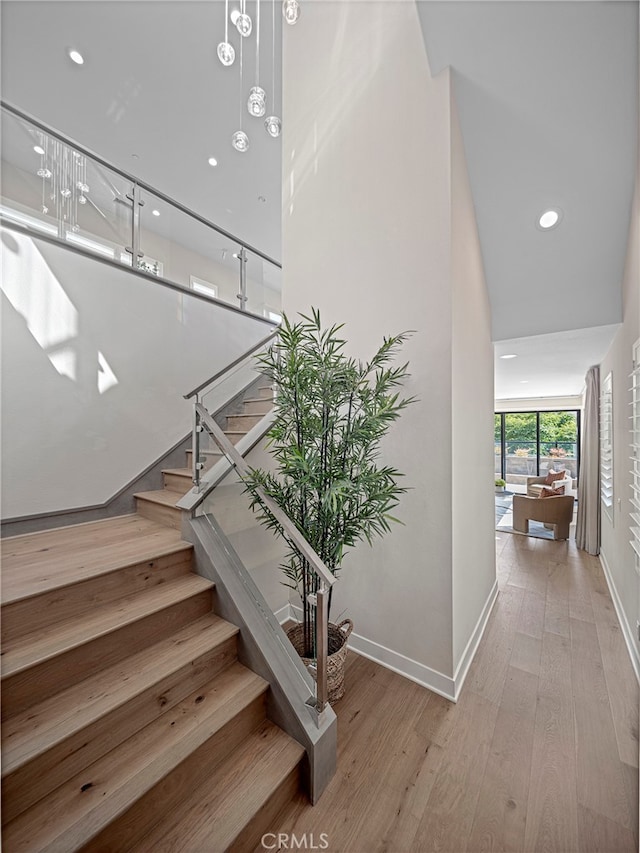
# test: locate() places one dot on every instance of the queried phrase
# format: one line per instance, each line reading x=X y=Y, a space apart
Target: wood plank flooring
x=540 y=754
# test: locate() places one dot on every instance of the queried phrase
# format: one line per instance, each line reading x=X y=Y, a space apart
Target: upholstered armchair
x=556 y=511
x=536 y=484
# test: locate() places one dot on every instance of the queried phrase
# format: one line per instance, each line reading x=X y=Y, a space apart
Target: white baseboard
x=474 y=641
x=409 y=668
x=397 y=662
x=422 y=674
x=627 y=633
x=284 y=614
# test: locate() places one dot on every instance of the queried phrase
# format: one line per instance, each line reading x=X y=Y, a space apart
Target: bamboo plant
x=331 y=413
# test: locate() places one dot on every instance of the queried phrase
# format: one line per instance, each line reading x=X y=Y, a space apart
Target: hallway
x=540 y=753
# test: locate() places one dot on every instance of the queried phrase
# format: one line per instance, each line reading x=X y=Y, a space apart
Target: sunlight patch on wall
x=106 y=377
x=37 y=295
x=64 y=361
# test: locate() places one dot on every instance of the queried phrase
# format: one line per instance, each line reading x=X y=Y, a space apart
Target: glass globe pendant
x=257 y=102
x=244 y=24
x=273 y=126
x=291 y=11
x=240 y=141
x=226 y=53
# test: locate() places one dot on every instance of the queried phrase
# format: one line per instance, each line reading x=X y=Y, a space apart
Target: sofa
x=555 y=511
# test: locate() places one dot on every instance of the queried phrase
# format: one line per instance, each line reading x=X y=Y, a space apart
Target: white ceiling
x=151 y=85
x=548 y=101
x=551 y=365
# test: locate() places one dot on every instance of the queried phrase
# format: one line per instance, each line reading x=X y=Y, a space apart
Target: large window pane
x=520 y=446
x=559 y=441
x=497 y=445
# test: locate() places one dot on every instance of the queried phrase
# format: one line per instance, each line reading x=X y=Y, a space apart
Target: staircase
x=128 y=722
x=160 y=505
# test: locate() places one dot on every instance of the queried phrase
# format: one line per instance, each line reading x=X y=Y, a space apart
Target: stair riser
x=177 y=482
x=265 y=392
x=165 y=796
x=266 y=820
x=169 y=516
x=243 y=422
x=257 y=407
x=51 y=676
x=50 y=608
x=30 y=783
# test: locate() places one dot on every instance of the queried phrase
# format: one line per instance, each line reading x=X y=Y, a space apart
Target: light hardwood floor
x=540 y=754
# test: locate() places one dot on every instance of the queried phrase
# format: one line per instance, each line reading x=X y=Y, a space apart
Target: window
x=528 y=444
x=202 y=286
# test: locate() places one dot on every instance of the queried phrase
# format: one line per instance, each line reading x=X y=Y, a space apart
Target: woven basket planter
x=338 y=636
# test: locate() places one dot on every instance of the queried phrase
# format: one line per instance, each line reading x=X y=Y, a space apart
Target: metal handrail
x=158 y=193
x=233 y=364
x=291 y=531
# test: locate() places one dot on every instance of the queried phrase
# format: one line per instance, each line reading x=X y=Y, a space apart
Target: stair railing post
x=195 y=445
x=322 y=645
x=242 y=296
x=136 y=204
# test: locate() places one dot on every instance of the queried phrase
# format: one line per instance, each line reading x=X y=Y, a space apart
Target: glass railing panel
x=228 y=507
x=53 y=189
x=180 y=248
x=263 y=287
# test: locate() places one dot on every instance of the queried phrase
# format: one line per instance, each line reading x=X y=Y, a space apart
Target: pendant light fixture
x=257 y=96
x=244 y=24
x=226 y=51
x=240 y=140
x=291 y=11
x=272 y=123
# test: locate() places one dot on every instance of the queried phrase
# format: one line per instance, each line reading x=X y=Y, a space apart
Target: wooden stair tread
x=215 y=814
x=82 y=807
x=31 y=650
x=178 y=472
x=256 y=400
x=166 y=497
x=39 y=562
x=39 y=728
x=246 y=415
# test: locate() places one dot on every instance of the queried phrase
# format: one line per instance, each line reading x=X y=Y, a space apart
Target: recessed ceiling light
x=261 y=198
x=156 y=212
x=524 y=381
x=75 y=56
x=135 y=156
x=212 y=161
x=549 y=219
x=38 y=149
x=510 y=355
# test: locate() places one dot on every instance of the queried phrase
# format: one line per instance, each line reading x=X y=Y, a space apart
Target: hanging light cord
x=273 y=53
x=258 y=42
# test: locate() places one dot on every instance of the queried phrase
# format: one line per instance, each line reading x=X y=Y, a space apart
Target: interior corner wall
x=616 y=552
x=472 y=372
x=367 y=233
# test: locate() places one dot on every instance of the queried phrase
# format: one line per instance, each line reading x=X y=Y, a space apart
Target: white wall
x=367 y=239
x=473 y=507
x=94 y=365
x=616 y=553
